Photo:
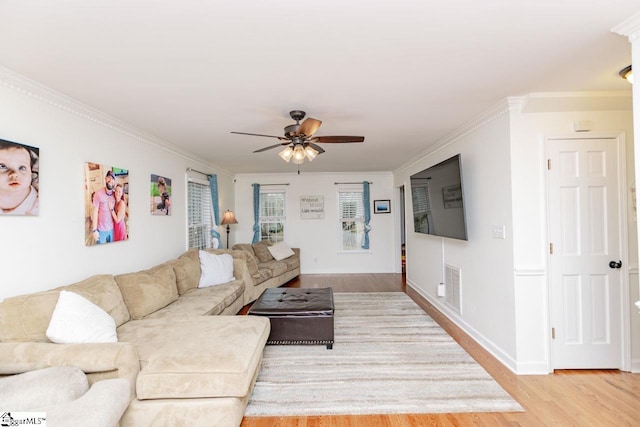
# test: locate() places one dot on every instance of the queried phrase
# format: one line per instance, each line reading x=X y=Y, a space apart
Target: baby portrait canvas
x=19 y=183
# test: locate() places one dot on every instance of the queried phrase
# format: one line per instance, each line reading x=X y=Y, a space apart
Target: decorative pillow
x=280 y=251
x=216 y=269
x=262 y=252
x=75 y=320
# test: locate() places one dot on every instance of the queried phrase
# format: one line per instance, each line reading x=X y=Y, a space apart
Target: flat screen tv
x=438 y=200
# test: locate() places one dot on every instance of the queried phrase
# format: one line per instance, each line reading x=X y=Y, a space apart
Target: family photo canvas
x=19 y=179
x=160 y=195
x=106 y=204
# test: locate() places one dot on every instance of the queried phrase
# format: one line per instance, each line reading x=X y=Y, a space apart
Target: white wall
x=38 y=253
x=529 y=132
x=486 y=263
x=505 y=304
x=318 y=238
x=631 y=29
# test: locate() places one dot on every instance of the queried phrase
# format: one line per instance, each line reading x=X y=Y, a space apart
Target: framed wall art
x=311 y=207
x=381 y=206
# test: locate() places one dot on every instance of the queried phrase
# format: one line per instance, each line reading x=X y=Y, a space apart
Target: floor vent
x=452 y=285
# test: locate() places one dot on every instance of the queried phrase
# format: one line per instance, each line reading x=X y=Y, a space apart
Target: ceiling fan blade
x=259 y=134
x=309 y=127
x=270 y=147
x=337 y=139
x=319 y=149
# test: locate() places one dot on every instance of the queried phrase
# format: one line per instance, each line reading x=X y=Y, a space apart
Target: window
x=199 y=213
x=351 y=219
x=421 y=199
x=272 y=215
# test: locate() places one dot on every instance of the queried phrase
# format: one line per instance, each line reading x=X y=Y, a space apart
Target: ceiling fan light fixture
x=627 y=74
x=311 y=153
x=298 y=154
x=286 y=154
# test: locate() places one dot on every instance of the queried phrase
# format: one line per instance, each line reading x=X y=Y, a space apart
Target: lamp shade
x=228 y=218
x=627 y=74
x=298 y=154
x=286 y=154
x=311 y=153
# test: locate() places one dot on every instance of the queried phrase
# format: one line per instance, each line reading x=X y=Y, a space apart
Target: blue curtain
x=213 y=186
x=256 y=213
x=367 y=214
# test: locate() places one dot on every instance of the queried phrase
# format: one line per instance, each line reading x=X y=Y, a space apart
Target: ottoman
x=297 y=315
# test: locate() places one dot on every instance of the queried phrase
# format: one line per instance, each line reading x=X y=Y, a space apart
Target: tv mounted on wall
x=438 y=200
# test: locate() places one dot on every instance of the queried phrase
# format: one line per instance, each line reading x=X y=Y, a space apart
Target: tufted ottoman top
x=294 y=302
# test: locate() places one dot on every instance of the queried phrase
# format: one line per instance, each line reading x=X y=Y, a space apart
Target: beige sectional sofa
x=186 y=357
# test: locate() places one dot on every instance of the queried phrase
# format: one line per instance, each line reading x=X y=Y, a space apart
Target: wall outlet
x=498 y=231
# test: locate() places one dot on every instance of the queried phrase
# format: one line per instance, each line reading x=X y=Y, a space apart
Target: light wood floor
x=565 y=398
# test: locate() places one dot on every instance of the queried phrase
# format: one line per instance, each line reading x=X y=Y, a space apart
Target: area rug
x=389 y=357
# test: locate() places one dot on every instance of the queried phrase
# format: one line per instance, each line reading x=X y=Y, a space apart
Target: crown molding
x=554 y=102
x=629 y=28
x=32 y=89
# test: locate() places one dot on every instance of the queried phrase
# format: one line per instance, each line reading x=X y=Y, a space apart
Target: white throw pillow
x=75 y=320
x=280 y=251
x=216 y=269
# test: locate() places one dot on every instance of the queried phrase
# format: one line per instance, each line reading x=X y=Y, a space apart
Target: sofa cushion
x=187 y=271
x=147 y=291
x=244 y=247
x=75 y=320
x=34 y=390
x=276 y=267
x=292 y=262
x=261 y=249
x=211 y=356
x=280 y=251
x=215 y=269
x=103 y=291
x=263 y=274
x=202 y=301
x=26 y=317
x=252 y=264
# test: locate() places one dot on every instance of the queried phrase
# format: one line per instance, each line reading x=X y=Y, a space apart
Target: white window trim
x=270 y=189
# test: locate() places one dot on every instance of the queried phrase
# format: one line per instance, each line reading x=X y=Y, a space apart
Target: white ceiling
x=403 y=73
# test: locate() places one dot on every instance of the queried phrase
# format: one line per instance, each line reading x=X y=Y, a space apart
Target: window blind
x=272 y=215
x=351 y=219
x=199 y=214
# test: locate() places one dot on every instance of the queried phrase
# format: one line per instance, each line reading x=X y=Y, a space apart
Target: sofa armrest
x=101 y=406
x=98 y=361
x=241 y=272
x=296 y=252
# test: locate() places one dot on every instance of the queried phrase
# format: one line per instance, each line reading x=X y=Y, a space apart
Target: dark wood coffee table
x=297 y=315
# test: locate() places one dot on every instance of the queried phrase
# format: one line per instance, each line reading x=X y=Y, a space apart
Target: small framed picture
x=381 y=206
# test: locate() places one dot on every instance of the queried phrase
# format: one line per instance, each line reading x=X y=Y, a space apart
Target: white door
x=584 y=238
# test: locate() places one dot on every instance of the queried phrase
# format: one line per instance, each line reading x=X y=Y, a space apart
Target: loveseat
x=268 y=266
x=186 y=358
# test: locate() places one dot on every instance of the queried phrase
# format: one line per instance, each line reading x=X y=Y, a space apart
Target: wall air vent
x=452 y=285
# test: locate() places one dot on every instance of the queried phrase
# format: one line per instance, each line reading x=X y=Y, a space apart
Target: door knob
x=614 y=264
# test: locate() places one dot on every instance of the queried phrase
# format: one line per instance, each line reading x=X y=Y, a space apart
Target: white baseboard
x=495 y=351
